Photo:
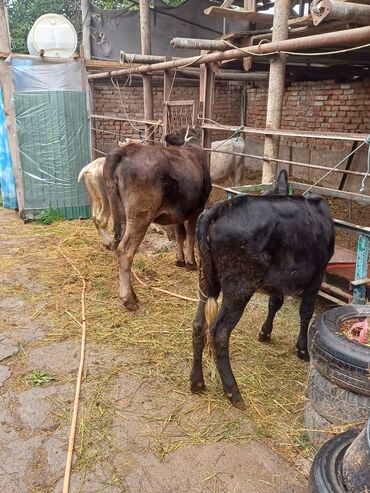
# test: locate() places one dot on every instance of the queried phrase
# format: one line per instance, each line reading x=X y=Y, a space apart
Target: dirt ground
x=140 y=429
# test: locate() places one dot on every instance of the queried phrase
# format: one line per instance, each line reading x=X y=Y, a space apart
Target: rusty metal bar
x=346 y=37
x=327 y=10
x=122 y=119
x=293 y=163
x=326 y=287
x=276 y=90
x=341 y=194
x=200 y=44
x=290 y=133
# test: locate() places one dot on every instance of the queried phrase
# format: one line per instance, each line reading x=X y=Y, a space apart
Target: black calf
x=274 y=243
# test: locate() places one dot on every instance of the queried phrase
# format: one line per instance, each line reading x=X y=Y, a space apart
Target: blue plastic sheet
x=7 y=183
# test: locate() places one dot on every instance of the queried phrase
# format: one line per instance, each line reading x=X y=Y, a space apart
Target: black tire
x=326 y=470
x=317 y=428
x=356 y=463
x=344 y=362
x=335 y=404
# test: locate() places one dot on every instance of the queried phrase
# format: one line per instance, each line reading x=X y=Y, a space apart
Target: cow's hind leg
x=306 y=310
x=190 y=262
x=134 y=234
x=229 y=315
x=180 y=234
x=275 y=303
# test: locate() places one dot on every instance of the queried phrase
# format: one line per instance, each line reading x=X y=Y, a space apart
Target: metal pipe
x=275 y=90
x=290 y=133
x=200 y=44
x=335 y=291
x=357 y=36
x=293 y=163
x=333 y=10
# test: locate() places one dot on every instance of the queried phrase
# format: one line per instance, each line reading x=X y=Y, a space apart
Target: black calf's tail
x=208 y=270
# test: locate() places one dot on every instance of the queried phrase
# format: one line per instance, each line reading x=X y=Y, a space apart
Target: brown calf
x=165 y=185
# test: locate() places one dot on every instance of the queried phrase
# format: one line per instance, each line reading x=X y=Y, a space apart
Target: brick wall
x=317 y=106
x=109 y=100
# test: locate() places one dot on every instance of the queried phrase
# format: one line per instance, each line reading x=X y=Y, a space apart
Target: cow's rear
x=148 y=184
x=280 y=245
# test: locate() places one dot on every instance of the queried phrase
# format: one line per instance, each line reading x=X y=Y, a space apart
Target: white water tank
x=54 y=34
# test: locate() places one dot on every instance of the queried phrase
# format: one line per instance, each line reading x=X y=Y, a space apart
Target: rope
x=117 y=87
x=67 y=473
x=237 y=132
x=362 y=188
x=367 y=141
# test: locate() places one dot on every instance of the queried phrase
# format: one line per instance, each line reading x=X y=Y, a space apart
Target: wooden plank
x=241 y=15
x=186 y=102
x=108 y=64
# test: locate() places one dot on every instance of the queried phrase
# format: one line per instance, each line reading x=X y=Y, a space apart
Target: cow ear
x=282 y=183
x=174 y=139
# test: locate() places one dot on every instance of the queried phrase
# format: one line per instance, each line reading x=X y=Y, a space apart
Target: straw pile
x=156 y=341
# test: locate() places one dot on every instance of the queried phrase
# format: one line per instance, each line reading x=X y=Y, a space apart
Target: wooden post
x=7 y=90
x=276 y=90
x=4 y=30
x=86 y=19
x=147 y=79
x=208 y=103
x=167 y=82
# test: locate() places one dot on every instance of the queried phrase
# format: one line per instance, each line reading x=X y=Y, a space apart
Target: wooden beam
x=147 y=79
x=208 y=103
x=276 y=90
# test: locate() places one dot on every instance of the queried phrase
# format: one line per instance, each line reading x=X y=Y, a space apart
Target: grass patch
x=49 y=217
x=38 y=377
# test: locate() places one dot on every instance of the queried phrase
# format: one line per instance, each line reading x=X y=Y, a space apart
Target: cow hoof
x=262 y=337
x=180 y=263
x=130 y=304
x=237 y=401
x=303 y=355
x=197 y=387
x=191 y=265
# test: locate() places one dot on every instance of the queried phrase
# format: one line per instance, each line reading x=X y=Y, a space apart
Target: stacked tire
x=338 y=389
x=342 y=465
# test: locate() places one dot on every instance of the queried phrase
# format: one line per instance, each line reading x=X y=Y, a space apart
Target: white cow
x=94 y=181
x=227 y=165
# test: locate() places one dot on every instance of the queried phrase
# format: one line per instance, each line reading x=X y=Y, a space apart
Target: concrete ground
x=125 y=453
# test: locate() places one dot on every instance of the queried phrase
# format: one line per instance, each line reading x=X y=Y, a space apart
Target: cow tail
x=84 y=170
x=114 y=193
x=208 y=273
